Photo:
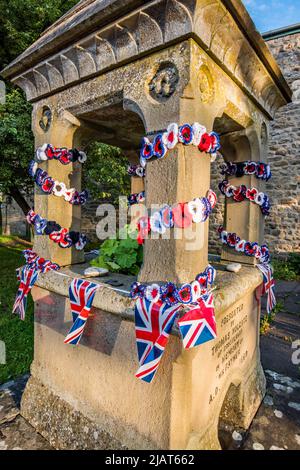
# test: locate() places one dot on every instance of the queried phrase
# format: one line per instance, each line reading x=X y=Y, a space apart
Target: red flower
x=251 y=194
x=143 y=229
x=239 y=194
x=206 y=143
x=182 y=216
x=47 y=185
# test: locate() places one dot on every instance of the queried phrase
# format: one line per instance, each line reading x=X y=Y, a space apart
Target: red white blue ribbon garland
x=240 y=193
x=61 y=236
x=198 y=325
x=261 y=253
x=62 y=154
x=27 y=275
x=81 y=294
x=50 y=186
x=186 y=134
x=269 y=285
x=155 y=312
x=260 y=170
x=153 y=323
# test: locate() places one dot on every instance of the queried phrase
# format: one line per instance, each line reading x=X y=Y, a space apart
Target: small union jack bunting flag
x=198 y=325
x=269 y=285
x=81 y=295
x=27 y=277
x=153 y=323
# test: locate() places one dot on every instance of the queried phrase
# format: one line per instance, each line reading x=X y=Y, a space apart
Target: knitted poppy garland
x=62 y=236
x=232 y=240
x=180 y=215
x=64 y=155
x=50 y=186
x=186 y=134
x=260 y=170
x=136 y=170
x=170 y=294
x=240 y=193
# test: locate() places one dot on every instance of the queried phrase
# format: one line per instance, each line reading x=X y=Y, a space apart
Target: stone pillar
x=57 y=128
x=182 y=175
x=244 y=218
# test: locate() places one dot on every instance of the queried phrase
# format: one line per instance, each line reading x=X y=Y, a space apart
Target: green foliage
x=16 y=143
x=20 y=26
x=16 y=334
x=289 y=269
x=21 y=23
x=268 y=318
x=105 y=172
x=121 y=255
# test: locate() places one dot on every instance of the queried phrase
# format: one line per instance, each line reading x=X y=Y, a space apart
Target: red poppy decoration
x=251 y=194
x=159 y=148
x=206 y=143
x=185 y=295
x=232 y=239
x=143 y=229
x=239 y=194
x=182 y=216
x=48 y=185
x=185 y=134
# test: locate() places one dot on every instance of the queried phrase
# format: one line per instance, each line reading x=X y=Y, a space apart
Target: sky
x=273 y=14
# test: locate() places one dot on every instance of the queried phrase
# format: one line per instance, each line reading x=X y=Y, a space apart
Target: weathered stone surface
x=282 y=231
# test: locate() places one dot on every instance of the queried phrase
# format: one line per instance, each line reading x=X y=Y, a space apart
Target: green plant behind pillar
x=120 y=255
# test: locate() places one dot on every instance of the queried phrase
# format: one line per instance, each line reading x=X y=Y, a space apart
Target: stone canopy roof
x=97 y=35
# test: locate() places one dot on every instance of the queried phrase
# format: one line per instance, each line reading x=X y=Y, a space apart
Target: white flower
x=212 y=197
x=213 y=157
x=143 y=162
x=196 y=290
x=140 y=171
x=156 y=223
x=170 y=138
x=197 y=209
x=40 y=154
x=68 y=194
x=152 y=293
x=82 y=157
x=34 y=168
x=198 y=131
x=59 y=189
x=259 y=198
x=240 y=246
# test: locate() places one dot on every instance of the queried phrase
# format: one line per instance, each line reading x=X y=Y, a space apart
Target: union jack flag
x=269 y=285
x=27 y=277
x=81 y=295
x=153 y=323
x=198 y=325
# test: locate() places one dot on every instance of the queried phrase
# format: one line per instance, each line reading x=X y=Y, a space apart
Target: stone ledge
x=230 y=287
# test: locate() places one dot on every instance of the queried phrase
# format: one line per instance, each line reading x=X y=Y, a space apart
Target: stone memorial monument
x=116 y=71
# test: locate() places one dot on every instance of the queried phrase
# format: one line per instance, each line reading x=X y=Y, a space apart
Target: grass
x=288 y=269
x=16 y=334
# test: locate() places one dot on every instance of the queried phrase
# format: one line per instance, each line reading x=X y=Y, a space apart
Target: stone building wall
x=282 y=230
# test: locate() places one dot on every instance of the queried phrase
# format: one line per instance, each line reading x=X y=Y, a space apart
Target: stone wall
x=282 y=230
x=13 y=220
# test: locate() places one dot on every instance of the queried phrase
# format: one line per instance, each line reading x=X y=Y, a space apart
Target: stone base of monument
x=87 y=396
